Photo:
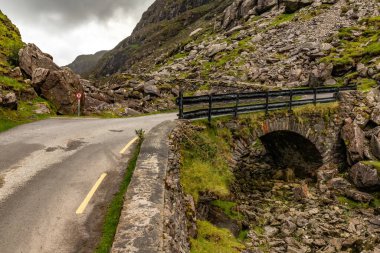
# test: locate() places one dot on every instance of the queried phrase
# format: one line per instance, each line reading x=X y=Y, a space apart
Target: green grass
x=24 y=114
x=227 y=207
x=259 y=230
x=365 y=84
x=353 y=49
x=375 y=164
x=373 y=49
x=180 y=55
x=282 y=19
x=351 y=203
x=211 y=239
x=6 y=124
x=114 y=209
x=12 y=83
x=10 y=43
x=243 y=235
x=205 y=156
x=375 y=203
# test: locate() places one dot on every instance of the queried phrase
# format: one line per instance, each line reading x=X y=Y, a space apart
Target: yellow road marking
x=85 y=202
x=128 y=145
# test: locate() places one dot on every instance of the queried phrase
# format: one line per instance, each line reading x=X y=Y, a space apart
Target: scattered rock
x=375 y=146
x=358 y=196
x=8 y=100
x=301 y=192
x=216 y=48
x=353 y=136
x=320 y=75
x=294 y=5
x=151 y=89
x=41 y=108
x=364 y=176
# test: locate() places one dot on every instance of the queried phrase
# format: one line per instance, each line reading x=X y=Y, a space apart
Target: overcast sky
x=68 y=28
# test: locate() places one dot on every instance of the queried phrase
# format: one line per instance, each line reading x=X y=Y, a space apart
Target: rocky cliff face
x=83 y=64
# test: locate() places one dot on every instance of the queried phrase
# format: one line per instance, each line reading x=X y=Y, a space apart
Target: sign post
x=79 y=96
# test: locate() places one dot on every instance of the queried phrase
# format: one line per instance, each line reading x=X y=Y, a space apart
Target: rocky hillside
x=10 y=43
x=83 y=64
x=219 y=46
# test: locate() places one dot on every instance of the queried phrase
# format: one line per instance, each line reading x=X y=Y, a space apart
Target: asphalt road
x=47 y=168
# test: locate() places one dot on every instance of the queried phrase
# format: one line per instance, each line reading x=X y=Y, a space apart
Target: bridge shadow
x=292 y=150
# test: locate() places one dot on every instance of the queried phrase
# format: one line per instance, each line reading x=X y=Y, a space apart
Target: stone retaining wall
x=141 y=223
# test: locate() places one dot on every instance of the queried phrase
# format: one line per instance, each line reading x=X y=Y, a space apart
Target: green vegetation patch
x=375 y=164
x=282 y=19
x=365 y=84
x=373 y=49
x=24 y=114
x=213 y=239
x=228 y=208
x=12 y=83
x=205 y=156
x=356 y=44
x=375 y=203
x=10 y=43
x=114 y=209
x=351 y=203
x=259 y=230
x=243 y=235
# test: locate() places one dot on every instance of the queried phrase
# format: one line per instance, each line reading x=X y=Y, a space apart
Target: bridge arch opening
x=292 y=150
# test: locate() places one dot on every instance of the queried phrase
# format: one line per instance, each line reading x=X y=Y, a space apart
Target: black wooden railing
x=308 y=96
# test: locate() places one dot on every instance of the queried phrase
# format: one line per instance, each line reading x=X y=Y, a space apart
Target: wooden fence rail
x=237 y=98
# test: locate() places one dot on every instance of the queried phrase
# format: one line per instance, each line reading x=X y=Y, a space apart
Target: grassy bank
x=213 y=239
x=26 y=109
x=114 y=210
x=24 y=114
x=205 y=161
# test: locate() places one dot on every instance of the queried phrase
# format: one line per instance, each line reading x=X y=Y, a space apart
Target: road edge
x=140 y=226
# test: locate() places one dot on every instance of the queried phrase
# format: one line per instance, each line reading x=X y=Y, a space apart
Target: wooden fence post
x=291 y=101
x=209 y=108
x=180 y=103
x=237 y=105
x=337 y=93
x=267 y=103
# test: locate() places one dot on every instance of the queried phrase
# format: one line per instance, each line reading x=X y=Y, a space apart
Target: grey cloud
x=68 y=13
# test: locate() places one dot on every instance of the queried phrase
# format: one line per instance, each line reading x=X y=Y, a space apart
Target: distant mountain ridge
x=83 y=64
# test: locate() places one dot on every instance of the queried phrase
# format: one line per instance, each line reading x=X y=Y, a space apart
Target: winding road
x=47 y=171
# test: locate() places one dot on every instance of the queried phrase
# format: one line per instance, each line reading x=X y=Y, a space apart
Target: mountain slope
x=240 y=45
x=163 y=26
x=83 y=64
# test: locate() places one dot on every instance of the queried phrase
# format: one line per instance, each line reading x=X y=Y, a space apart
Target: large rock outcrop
x=31 y=57
x=58 y=85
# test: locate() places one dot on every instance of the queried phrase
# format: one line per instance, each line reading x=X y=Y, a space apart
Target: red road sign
x=79 y=95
